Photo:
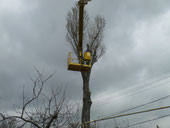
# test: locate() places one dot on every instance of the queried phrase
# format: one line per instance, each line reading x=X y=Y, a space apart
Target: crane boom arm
x=81 y=16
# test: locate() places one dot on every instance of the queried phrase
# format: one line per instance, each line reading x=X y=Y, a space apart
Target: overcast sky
x=132 y=71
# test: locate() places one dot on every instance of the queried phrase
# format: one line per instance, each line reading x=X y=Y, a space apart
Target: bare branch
x=52 y=111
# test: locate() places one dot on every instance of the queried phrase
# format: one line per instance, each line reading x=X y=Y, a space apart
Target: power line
x=168 y=96
x=136 y=93
x=139 y=82
x=146 y=121
x=146 y=85
x=124 y=96
x=151 y=102
x=129 y=94
x=142 y=105
x=128 y=114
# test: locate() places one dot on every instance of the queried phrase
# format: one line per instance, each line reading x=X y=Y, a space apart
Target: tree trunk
x=86 y=98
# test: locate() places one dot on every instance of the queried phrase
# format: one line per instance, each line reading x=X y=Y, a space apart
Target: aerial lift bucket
x=74 y=65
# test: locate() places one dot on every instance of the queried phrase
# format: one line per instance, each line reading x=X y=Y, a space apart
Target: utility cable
x=142 y=105
x=129 y=94
x=95 y=104
x=146 y=121
x=128 y=114
x=146 y=85
x=139 y=82
x=154 y=101
x=136 y=93
x=153 y=76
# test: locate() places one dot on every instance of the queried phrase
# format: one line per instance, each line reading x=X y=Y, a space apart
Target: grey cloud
x=35 y=36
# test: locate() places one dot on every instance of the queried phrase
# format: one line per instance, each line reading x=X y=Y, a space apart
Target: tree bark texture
x=86 y=98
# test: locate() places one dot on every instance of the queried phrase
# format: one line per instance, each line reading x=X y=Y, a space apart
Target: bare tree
x=93 y=35
x=44 y=110
x=10 y=123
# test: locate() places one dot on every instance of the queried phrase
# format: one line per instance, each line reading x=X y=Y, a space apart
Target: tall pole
x=85 y=76
x=81 y=16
